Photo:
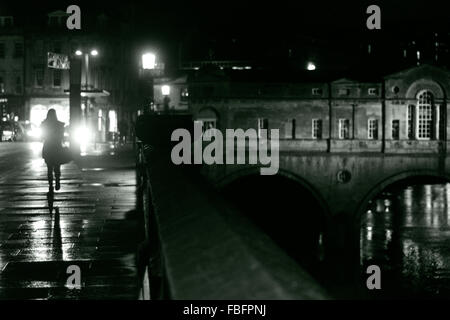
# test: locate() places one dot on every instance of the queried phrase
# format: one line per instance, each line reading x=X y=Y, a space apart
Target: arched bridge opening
x=286 y=209
x=404 y=228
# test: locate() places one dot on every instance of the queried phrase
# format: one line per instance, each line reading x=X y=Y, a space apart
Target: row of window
x=421 y=121
x=39 y=80
x=424 y=129
x=344 y=91
x=39 y=77
x=344 y=128
x=17 y=53
x=208 y=91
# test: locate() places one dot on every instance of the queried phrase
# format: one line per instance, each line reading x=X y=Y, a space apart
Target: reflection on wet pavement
x=407 y=233
x=90 y=225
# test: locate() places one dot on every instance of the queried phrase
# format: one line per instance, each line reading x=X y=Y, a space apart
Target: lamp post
x=75 y=103
x=86 y=56
x=148 y=67
x=85 y=112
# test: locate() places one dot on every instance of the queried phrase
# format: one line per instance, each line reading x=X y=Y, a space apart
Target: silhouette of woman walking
x=53 y=135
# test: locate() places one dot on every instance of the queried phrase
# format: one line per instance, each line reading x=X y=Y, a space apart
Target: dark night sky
x=284 y=17
x=167 y=22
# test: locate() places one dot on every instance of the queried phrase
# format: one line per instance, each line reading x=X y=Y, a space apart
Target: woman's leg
x=50 y=176
x=57 y=169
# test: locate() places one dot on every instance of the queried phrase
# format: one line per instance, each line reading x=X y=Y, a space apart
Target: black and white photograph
x=235 y=151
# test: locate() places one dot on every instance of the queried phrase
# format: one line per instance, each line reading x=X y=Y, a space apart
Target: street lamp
x=311 y=66
x=93 y=53
x=85 y=53
x=148 y=61
x=165 y=90
x=149 y=65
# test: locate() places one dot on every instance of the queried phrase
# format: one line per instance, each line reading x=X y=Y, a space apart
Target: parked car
x=6 y=131
x=29 y=131
x=20 y=131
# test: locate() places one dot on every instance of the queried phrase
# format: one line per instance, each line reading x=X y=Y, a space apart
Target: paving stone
x=94 y=227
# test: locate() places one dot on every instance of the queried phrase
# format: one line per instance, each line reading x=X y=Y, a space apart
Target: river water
x=406 y=232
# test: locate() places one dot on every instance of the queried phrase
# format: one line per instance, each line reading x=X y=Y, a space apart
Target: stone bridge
x=343 y=183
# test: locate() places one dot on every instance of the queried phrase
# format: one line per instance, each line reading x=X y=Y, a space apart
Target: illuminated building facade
x=402 y=112
x=28 y=87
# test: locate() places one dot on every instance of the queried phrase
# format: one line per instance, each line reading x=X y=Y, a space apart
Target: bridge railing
x=199 y=247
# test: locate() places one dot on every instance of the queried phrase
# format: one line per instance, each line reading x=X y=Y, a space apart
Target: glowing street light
x=311 y=66
x=148 y=61
x=78 y=52
x=165 y=89
x=94 y=52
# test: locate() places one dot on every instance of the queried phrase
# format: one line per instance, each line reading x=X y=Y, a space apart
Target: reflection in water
x=407 y=233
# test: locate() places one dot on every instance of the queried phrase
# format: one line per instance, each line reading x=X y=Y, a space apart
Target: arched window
x=207 y=118
x=425 y=116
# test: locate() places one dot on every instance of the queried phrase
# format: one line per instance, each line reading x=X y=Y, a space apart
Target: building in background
x=29 y=87
x=171 y=95
x=400 y=112
x=11 y=69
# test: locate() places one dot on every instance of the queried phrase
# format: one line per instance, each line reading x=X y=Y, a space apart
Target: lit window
x=112 y=121
x=344 y=129
x=316 y=91
x=100 y=120
x=425 y=115
x=184 y=94
x=372 y=130
x=373 y=91
x=316 y=128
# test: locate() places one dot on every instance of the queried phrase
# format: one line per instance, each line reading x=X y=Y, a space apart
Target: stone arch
x=255 y=170
x=208 y=117
x=287 y=208
x=207 y=113
x=425 y=85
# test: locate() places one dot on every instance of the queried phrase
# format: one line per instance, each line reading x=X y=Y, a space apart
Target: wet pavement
x=92 y=225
